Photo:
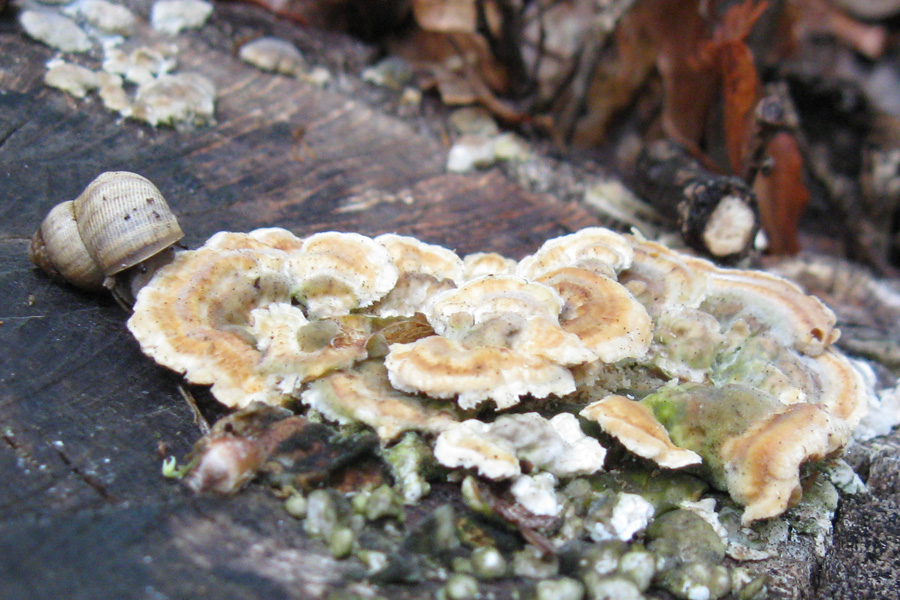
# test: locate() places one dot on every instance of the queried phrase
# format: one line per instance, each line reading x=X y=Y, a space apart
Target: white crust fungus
x=55 y=30
x=273 y=54
x=172 y=16
x=181 y=99
x=70 y=78
x=496 y=449
x=108 y=17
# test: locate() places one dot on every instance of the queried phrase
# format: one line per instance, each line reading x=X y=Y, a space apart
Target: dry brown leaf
x=730 y=54
x=782 y=194
x=690 y=85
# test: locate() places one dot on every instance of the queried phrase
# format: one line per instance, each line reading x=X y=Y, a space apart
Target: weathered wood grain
x=84 y=511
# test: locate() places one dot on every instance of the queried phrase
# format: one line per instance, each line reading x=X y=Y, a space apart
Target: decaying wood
x=716 y=214
x=84 y=416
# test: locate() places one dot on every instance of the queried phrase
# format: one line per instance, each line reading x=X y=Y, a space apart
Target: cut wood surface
x=85 y=418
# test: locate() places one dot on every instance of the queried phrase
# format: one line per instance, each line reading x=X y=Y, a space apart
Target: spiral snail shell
x=118 y=221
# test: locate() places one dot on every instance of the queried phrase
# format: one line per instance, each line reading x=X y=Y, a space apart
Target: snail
x=120 y=220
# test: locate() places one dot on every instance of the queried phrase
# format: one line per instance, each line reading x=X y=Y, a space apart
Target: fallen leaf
x=782 y=194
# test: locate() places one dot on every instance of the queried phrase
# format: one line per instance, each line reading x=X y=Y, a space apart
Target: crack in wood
x=91 y=480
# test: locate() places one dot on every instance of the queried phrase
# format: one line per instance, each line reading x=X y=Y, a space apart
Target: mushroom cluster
x=502 y=364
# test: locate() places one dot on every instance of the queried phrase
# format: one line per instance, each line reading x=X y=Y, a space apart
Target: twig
x=716 y=214
x=199 y=419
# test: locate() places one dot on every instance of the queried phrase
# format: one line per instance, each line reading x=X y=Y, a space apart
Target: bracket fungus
x=225 y=314
x=730 y=373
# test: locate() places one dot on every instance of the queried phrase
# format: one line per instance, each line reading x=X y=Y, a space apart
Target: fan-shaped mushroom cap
x=274 y=238
x=556 y=446
x=481 y=264
x=338 y=272
x=762 y=466
x=498 y=338
x=762 y=362
x=295 y=351
x=364 y=394
x=192 y=318
x=594 y=248
x=508 y=312
x=686 y=342
x=771 y=303
x=602 y=313
x=414 y=256
x=222 y=315
x=634 y=425
x=470 y=445
x=843 y=389
x=443 y=368
x=660 y=278
x=411 y=294
x=424 y=271
x=278 y=238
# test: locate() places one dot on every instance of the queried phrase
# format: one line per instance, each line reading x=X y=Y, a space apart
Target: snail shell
x=57 y=249
x=118 y=221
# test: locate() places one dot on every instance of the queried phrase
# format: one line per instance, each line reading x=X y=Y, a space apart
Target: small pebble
x=392 y=72
x=474 y=120
x=470 y=152
x=141 y=65
x=322 y=514
x=112 y=94
x=532 y=563
x=340 y=542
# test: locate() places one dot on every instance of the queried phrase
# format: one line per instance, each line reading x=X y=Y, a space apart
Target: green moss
x=685 y=536
x=702 y=418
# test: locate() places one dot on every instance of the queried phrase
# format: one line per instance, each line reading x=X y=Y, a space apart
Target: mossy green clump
x=690 y=581
x=686 y=537
x=460 y=587
x=411 y=463
x=664 y=489
x=702 y=418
